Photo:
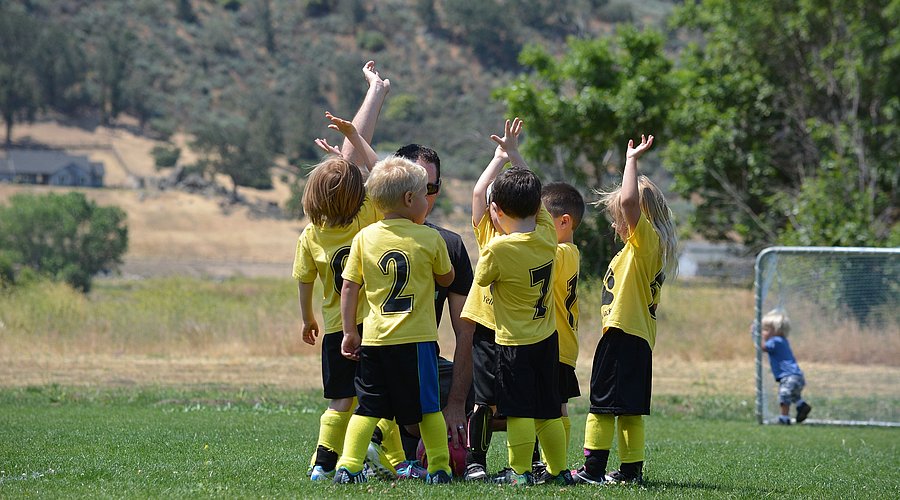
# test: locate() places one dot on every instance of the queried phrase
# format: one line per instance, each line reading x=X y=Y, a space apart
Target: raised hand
x=327 y=148
x=510 y=140
x=343 y=126
x=373 y=78
x=636 y=152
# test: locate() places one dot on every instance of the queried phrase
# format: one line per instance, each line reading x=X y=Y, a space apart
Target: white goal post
x=844 y=309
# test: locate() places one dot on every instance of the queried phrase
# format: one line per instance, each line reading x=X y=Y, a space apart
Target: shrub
x=165 y=156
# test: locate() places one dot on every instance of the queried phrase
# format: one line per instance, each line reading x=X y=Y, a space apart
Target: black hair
x=517 y=191
x=415 y=152
x=562 y=198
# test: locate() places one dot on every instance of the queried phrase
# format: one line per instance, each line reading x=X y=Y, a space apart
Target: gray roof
x=44 y=161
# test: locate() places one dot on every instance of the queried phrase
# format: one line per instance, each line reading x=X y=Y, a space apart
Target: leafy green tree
x=113 y=63
x=580 y=109
x=786 y=129
x=63 y=236
x=231 y=149
x=20 y=94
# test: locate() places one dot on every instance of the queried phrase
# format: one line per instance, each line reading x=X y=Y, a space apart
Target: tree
x=19 y=88
x=233 y=149
x=64 y=237
x=579 y=111
x=788 y=111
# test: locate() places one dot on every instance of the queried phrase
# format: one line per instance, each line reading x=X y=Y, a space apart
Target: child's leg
x=356 y=442
x=434 y=435
x=631 y=444
x=332 y=428
x=567 y=424
x=520 y=443
x=391 y=442
x=599 y=430
x=553 y=441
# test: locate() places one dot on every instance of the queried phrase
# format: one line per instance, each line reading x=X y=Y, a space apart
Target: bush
x=165 y=156
x=64 y=237
x=371 y=41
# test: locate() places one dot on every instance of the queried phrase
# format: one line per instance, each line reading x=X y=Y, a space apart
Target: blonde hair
x=334 y=192
x=391 y=179
x=777 y=321
x=655 y=209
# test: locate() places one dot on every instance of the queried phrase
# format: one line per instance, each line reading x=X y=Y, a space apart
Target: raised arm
x=630 y=198
x=352 y=135
x=507 y=150
x=367 y=115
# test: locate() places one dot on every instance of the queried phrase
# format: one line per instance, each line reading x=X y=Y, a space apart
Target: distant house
x=50 y=167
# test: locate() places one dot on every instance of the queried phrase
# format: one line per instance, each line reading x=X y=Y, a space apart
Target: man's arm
x=367 y=115
x=455 y=411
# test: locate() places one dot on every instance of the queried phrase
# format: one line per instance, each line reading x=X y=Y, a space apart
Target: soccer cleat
x=803 y=412
x=509 y=476
x=320 y=474
x=618 y=477
x=344 y=476
x=537 y=469
x=564 y=478
x=439 y=477
x=309 y=471
x=411 y=469
x=784 y=420
x=581 y=476
x=378 y=462
x=475 y=472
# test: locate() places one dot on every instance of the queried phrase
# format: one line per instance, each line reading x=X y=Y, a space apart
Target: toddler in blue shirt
x=775 y=329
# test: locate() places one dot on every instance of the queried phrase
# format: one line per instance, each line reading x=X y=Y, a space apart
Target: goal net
x=844 y=310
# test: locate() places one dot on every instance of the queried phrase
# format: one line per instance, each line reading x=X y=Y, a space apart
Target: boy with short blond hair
x=775 y=329
x=398 y=261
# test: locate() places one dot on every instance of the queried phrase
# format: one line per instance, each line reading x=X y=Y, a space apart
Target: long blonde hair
x=656 y=210
x=334 y=192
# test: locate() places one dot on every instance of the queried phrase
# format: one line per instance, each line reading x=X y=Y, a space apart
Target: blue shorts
x=398 y=382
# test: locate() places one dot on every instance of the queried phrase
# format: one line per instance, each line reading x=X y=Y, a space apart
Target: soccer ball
x=457 y=458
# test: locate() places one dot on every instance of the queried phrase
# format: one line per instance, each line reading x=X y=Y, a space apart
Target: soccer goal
x=844 y=310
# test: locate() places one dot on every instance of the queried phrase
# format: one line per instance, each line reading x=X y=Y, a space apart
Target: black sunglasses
x=431 y=189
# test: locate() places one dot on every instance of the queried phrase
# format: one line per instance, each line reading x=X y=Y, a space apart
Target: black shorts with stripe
x=528 y=379
x=338 y=372
x=398 y=382
x=484 y=365
x=622 y=374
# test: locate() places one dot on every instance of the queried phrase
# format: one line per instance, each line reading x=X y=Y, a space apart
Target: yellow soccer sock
x=631 y=438
x=433 y=429
x=599 y=431
x=567 y=425
x=520 y=443
x=391 y=443
x=552 y=436
x=332 y=428
x=356 y=442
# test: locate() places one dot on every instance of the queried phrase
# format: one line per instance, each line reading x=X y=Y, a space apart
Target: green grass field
x=214 y=441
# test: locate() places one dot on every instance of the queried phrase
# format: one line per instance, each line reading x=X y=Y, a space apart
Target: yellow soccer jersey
x=322 y=252
x=632 y=285
x=395 y=260
x=479 y=306
x=565 y=295
x=519 y=266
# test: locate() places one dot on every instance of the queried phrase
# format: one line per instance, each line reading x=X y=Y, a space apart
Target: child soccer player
x=518 y=265
x=621 y=374
x=775 y=328
x=566 y=206
x=398 y=261
x=335 y=201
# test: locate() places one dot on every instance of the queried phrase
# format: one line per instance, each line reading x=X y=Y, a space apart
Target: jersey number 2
x=396 y=303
